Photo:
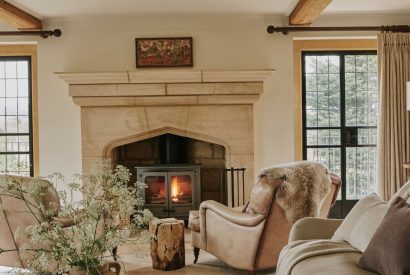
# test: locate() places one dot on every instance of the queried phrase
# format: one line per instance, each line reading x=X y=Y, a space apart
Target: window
x=340 y=104
x=16 y=134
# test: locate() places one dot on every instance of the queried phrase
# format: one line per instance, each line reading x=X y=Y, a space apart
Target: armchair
x=250 y=240
x=14 y=214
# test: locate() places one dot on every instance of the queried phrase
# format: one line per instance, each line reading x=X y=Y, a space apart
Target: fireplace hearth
x=172 y=190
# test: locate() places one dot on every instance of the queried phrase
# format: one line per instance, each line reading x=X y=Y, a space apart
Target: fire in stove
x=181 y=189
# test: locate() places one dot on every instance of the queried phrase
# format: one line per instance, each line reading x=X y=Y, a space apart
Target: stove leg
x=196 y=254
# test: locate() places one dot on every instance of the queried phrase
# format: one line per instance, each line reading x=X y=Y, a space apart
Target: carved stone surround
x=124 y=107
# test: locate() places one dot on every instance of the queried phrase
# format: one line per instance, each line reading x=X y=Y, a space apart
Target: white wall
x=219 y=43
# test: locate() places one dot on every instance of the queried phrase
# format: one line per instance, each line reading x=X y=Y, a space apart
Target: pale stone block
x=190 y=89
x=233 y=124
x=165 y=76
x=104 y=101
x=101 y=127
x=165 y=100
x=172 y=116
x=236 y=76
x=140 y=89
x=226 y=99
x=92 y=90
x=94 y=78
x=238 y=88
x=214 y=88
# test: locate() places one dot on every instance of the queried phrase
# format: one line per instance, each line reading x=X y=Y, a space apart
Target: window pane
x=23 y=87
x=310 y=63
x=11 y=69
x=361 y=90
x=334 y=66
x=22 y=69
x=360 y=172
x=15 y=116
x=11 y=87
x=11 y=106
x=323 y=64
x=16 y=164
x=328 y=156
x=23 y=126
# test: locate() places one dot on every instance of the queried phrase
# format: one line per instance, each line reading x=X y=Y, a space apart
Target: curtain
x=393 y=122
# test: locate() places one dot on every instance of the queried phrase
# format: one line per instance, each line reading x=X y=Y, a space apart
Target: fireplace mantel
x=165 y=87
x=119 y=108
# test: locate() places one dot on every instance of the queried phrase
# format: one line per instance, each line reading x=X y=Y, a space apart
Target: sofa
x=251 y=240
x=332 y=246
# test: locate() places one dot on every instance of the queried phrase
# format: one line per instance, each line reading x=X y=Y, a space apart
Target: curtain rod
x=43 y=34
x=390 y=28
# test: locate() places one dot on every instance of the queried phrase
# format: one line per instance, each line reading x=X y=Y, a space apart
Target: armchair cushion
x=231 y=214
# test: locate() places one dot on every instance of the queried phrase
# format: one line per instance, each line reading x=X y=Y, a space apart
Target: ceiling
x=102 y=8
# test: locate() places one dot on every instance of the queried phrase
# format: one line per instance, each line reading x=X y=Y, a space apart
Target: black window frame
x=344 y=205
x=27 y=58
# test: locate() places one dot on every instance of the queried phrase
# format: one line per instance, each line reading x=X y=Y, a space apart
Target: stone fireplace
x=126 y=111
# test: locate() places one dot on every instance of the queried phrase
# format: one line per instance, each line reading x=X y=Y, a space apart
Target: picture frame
x=164 y=52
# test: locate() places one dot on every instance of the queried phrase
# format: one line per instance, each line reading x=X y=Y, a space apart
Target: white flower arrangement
x=96 y=228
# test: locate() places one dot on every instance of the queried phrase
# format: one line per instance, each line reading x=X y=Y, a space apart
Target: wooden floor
x=207 y=264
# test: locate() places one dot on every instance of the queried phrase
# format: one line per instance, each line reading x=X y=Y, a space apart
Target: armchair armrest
x=313 y=228
x=230 y=214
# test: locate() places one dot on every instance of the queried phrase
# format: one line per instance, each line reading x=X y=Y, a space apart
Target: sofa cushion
x=403 y=192
x=330 y=264
x=360 y=224
x=389 y=249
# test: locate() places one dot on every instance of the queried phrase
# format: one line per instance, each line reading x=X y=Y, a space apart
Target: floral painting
x=164 y=52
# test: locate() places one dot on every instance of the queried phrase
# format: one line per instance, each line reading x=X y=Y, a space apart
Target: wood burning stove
x=172 y=190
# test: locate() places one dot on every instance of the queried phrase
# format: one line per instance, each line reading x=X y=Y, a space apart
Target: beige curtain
x=394 y=124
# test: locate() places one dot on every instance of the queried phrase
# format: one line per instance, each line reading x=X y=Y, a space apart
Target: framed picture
x=164 y=52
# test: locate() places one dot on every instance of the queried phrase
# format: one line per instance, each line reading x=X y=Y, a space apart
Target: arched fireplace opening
x=180 y=172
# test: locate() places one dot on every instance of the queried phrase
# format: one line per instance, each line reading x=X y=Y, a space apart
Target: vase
x=111 y=268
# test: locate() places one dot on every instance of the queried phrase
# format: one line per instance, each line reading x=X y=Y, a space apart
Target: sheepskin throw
x=304 y=189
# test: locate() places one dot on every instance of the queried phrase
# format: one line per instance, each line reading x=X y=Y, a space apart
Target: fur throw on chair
x=304 y=189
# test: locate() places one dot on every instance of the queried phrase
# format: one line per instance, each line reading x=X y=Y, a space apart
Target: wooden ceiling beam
x=306 y=11
x=17 y=17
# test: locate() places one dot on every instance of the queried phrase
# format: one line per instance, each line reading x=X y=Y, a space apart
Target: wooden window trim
x=29 y=50
x=316 y=45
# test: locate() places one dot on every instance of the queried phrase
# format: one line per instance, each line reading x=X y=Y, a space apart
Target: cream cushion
x=360 y=224
x=403 y=192
x=331 y=264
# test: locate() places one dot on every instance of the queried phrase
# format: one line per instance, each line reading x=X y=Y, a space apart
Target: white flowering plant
x=84 y=232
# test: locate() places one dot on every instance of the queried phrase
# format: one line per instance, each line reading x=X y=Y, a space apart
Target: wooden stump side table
x=167 y=244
